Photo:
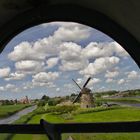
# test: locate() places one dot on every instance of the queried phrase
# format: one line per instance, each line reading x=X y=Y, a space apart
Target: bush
x=67 y=116
x=41 y=103
x=91 y=110
x=98 y=103
x=61 y=109
x=53 y=102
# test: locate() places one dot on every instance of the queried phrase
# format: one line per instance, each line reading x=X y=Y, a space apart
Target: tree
x=46 y=98
x=41 y=103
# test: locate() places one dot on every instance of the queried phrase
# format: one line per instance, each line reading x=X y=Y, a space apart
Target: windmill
x=85 y=95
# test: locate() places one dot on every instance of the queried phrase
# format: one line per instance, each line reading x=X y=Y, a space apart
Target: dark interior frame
x=74 y=13
x=48 y=13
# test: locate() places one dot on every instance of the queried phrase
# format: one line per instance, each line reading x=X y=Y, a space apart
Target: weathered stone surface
x=87 y=100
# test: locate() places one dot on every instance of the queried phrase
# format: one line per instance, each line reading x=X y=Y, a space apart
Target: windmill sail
x=76 y=84
x=77 y=98
x=87 y=82
x=80 y=93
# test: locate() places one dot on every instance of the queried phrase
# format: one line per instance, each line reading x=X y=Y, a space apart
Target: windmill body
x=86 y=100
x=85 y=96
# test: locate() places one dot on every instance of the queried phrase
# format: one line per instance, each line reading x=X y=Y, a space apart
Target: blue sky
x=44 y=59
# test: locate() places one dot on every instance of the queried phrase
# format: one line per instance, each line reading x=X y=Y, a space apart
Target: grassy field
x=124 y=100
x=7 y=110
x=97 y=115
x=118 y=114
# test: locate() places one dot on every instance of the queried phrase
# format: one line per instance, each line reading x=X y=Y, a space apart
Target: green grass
x=122 y=114
x=118 y=114
x=7 y=110
x=90 y=115
x=124 y=100
x=103 y=136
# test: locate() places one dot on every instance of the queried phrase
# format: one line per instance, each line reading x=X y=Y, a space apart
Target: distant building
x=25 y=100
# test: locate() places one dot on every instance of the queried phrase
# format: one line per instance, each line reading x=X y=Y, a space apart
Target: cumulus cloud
x=44 y=77
x=57 y=89
x=79 y=81
x=72 y=32
x=109 y=80
x=22 y=51
x=38 y=50
x=71 y=58
x=119 y=50
x=10 y=86
x=51 y=62
x=69 y=31
x=90 y=84
x=15 y=76
x=2 y=88
x=69 y=86
x=93 y=81
x=105 y=49
x=63 y=24
x=29 y=66
x=121 y=81
x=94 y=49
x=111 y=74
x=62 y=50
x=4 y=72
x=29 y=57
x=48 y=46
x=39 y=84
x=100 y=65
x=132 y=75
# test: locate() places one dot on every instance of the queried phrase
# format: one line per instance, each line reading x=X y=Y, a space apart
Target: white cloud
x=119 y=50
x=38 y=50
x=69 y=86
x=132 y=75
x=51 y=62
x=93 y=81
x=4 y=72
x=70 y=51
x=44 y=77
x=48 y=46
x=64 y=24
x=10 y=86
x=71 y=66
x=15 y=76
x=42 y=84
x=72 y=32
x=90 y=84
x=27 y=85
x=57 y=89
x=121 y=81
x=22 y=51
x=109 y=80
x=105 y=49
x=79 y=81
x=71 y=58
x=100 y=65
x=94 y=49
x=2 y=88
x=29 y=66
x=111 y=74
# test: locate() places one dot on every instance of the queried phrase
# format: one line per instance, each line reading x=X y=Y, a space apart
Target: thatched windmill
x=85 y=96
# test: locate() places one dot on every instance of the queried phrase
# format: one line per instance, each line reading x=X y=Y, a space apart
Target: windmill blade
x=87 y=82
x=77 y=98
x=76 y=84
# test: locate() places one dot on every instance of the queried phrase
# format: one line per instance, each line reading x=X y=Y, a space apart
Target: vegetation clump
x=61 y=109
